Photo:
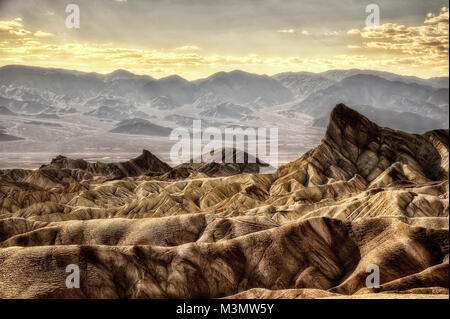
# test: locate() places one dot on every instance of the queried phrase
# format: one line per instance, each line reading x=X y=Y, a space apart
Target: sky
x=196 y=38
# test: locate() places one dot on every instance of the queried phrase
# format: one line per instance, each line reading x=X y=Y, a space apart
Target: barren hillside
x=140 y=229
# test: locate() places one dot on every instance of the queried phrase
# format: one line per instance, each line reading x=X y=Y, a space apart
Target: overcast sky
x=195 y=38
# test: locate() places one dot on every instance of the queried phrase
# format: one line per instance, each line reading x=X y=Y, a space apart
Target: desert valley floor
x=142 y=229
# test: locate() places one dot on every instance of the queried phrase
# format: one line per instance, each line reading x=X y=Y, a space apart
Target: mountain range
x=115 y=115
x=122 y=95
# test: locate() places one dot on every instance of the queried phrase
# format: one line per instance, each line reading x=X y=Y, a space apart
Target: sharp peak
x=59 y=157
x=348 y=124
x=150 y=158
x=345 y=114
x=57 y=160
x=146 y=152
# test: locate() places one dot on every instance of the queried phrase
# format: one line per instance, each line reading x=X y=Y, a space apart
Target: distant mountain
x=227 y=110
x=405 y=121
x=303 y=84
x=26 y=107
x=241 y=87
x=124 y=75
x=162 y=103
x=140 y=127
x=207 y=100
x=187 y=121
x=363 y=89
x=110 y=113
x=67 y=82
x=339 y=75
x=59 y=86
x=116 y=113
x=180 y=119
x=177 y=90
x=58 y=81
x=439 y=82
x=102 y=100
x=236 y=87
x=234 y=96
x=66 y=88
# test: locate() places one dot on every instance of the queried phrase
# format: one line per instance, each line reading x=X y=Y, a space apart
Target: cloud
x=441 y=18
x=429 y=41
x=418 y=50
x=331 y=33
x=13 y=30
x=14 y=26
x=188 y=48
x=42 y=34
x=302 y=32
x=354 y=32
x=286 y=31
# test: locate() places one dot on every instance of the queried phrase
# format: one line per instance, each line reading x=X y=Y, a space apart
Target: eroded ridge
x=141 y=229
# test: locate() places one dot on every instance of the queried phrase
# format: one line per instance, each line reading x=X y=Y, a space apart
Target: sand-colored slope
x=188 y=260
x=365 y=195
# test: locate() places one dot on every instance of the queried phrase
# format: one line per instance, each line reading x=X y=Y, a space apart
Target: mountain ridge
x=31 y=91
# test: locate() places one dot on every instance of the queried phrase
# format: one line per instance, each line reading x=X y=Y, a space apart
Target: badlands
x=366 y=195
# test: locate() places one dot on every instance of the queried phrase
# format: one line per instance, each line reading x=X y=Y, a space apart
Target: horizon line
x=201 y=78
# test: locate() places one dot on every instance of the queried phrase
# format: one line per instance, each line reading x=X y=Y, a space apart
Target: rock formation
x=366 y=195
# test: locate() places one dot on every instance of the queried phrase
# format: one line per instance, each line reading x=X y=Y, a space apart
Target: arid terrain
x=142 y=229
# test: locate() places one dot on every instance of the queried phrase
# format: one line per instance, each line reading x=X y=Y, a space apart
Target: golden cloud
x=42 y=34
x=286 y=31
x=427 y=43
x=422 y=50
x=188 y=48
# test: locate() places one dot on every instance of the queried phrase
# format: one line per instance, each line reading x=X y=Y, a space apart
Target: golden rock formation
x=140 y=229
